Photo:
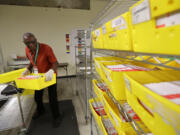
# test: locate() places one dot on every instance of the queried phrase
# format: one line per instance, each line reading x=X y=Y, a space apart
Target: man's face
x=30 y=42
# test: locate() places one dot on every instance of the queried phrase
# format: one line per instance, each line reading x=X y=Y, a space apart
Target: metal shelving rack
x=123 y=5
x=82 y=69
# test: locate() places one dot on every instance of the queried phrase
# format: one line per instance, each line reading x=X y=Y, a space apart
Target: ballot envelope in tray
x=34 y=82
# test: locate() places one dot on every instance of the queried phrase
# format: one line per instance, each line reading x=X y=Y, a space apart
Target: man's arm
x=29 y=67
x=54 y=66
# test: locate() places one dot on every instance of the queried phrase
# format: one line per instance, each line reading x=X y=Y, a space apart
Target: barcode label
x=141 y=13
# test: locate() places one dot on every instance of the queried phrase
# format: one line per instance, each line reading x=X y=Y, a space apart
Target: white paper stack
x=130 y=111
x=169 y=90
x=109 y=127
x=30 y=77
x=126 y=67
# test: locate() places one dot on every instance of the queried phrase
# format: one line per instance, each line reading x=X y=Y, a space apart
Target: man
x=42 y=60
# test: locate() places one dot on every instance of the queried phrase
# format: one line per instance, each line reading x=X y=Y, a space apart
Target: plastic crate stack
x=111 y=71
x=150 y=26
x=150 y=96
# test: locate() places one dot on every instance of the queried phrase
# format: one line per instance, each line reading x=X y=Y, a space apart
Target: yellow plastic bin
x=28 y=92
x=10 y=76
x=105 y=36
x=118 y=35
x=155 y=26
x=98 y=60
x=34 y=84
x=99 y=92
x=115 y=80
x=98 y=118
x=97 y=39
x=159 y=114
x=117 y=120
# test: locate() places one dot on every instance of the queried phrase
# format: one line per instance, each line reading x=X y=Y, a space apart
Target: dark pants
x=52 y=92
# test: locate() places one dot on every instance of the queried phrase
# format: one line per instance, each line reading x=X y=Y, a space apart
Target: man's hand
x=49 y=75
x=26 y=72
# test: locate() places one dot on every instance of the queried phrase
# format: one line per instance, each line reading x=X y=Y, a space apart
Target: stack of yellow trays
x=160 y=115
x=155 y=26
x=115 y=80
x=118 y=35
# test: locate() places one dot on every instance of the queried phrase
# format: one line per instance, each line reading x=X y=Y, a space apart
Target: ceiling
x=73 y=4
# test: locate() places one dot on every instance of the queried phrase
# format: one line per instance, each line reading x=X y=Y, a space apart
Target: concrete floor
x=66 y=90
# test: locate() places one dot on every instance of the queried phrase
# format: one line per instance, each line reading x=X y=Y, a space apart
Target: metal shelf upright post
x=81 y=60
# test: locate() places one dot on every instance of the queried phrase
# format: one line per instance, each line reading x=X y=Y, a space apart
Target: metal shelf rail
x=133 y=55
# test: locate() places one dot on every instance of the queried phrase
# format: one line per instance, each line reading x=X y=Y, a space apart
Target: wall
x=48 y=24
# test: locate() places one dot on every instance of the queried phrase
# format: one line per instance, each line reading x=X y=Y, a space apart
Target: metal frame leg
x=23 y=130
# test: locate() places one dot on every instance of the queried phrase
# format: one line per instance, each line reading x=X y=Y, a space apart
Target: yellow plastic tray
x=28 y=92
x=97 y=117
x=160 y=115
x=118 y=35
x=115 y=80
x=10 y=76
x=99 y=60
x=113 y=113
x=97 y=38
x=35 y=84
x=152 y=33
x=98 y=91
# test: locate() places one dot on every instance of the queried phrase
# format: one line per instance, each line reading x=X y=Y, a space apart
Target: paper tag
x=127 y=84
x=108 y=75
x=104 y=29
x=119 y=22
x=97 y=64
x=168 y=20
x=141 y=13
x=103 y=102
x=114 y=118
x=97 y=33
x=35 y=70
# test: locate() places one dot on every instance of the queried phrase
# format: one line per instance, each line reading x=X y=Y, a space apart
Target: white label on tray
x=104 y=29
x=168 y=20
x=97 y=33
x=114 y=118
x=141 y=13
x=119 y=22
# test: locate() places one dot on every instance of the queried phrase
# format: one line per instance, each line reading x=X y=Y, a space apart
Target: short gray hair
x=28 y=34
